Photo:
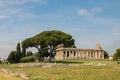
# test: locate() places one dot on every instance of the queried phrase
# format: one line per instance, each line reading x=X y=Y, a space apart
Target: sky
x=90 y=22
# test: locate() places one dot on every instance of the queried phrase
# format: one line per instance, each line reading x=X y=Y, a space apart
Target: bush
x=28 y=59
x=116 y=56
x=13 y=57
x=118 y=62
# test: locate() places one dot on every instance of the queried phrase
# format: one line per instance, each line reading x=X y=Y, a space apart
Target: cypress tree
x=18 y=50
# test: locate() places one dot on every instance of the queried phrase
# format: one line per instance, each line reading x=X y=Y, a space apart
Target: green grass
x=81 y=72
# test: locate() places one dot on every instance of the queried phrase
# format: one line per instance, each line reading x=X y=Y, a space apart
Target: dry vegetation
x=4 y=76
x=85 y=70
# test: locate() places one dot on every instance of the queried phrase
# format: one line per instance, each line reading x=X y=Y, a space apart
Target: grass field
x=109 y=71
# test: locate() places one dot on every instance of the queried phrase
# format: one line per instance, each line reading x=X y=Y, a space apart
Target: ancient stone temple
x=78 y=53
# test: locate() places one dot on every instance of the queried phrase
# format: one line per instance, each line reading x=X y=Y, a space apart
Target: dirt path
x=4 y=76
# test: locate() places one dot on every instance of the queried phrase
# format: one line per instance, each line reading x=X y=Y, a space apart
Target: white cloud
x=4 y=16
x=7 y=12
x=10 y=8
x=84 y=12
x=95 y=10
x=16 y=2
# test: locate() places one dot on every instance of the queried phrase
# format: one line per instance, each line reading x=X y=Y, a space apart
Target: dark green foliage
x=105 y=54
x=23 y=52
x=116 y=56
x=48 y=40
x=26 y=43
x=45 y=52
x=37 y=55
x=28 y=59
x=13 y=57
x=29 y=53
x=18 y=50
x=118 y=62
x=54 y=38
x=34 y=42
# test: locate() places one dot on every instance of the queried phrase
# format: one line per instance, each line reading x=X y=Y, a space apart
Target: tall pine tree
x=23 y=52
x=18 y=50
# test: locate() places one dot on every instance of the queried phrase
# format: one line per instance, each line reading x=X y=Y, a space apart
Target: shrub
x=13 y=57
x=28 y=59
x=116 y=56
x=118 y=62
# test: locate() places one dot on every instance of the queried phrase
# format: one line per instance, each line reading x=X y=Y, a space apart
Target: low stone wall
x=45 y=65
x=22 y=75
x=94 y=64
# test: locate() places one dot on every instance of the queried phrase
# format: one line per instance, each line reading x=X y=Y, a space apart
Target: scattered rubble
x=26 y=65
x=45 y=65
x=94 y=64
x=22 y=75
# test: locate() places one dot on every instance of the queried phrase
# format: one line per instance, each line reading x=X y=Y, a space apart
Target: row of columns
x=69 y=54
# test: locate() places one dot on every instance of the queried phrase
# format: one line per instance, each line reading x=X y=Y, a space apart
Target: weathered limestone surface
x=78 y=53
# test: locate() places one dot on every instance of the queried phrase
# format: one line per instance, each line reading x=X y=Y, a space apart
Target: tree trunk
x=51 y=52
x=39 y=57
x=40 y=50
x=50 y=56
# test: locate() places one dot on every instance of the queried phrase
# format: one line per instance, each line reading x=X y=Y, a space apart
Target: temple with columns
x=78 y=53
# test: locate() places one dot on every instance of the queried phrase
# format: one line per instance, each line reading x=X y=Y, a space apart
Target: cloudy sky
x=89 y=22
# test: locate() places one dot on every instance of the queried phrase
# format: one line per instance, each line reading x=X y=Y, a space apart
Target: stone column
x=99 y=54
x=63 y=54
x=102 y=54
x=78 y=54
x=69 y=55
x=95 y=54
x=90 y=54
x=72 y=54
x=81 y=56
x=86 y=54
